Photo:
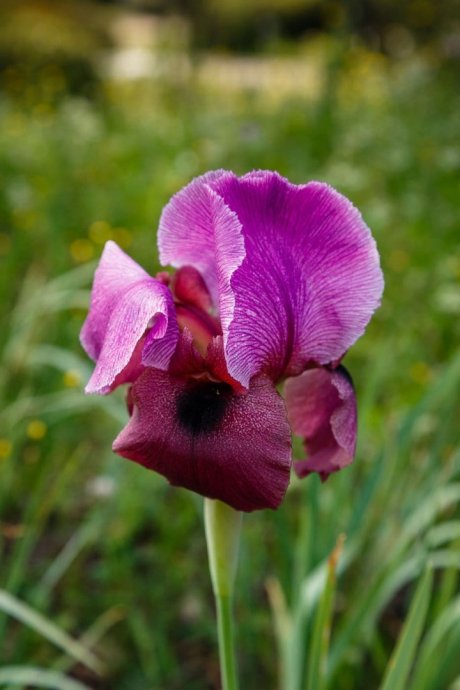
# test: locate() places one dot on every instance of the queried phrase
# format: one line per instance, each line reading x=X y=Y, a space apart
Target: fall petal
x=202 y=436
x=321 y=408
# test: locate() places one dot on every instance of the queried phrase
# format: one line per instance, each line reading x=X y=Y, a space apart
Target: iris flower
x=273 y=283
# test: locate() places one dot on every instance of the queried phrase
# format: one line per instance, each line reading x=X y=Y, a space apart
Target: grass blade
x=25 y=614
x=434 y=638
x=38 y=678
x=316 y=663
x=282 y=626
x=401 y=661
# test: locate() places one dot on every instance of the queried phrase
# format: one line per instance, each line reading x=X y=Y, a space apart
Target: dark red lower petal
x=321 y=408
x=202 y=436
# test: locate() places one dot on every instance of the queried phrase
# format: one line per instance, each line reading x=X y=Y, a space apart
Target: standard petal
x=198 y=229
x=309 y=282
x=202 y=436
x=321 y=408
x=125 y=301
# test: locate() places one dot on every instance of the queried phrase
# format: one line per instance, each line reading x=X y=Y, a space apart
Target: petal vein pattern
x=198 y=228
x=310 y=279
x=126 y=301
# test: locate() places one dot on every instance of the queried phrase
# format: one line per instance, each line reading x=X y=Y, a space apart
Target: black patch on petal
x=201 y=407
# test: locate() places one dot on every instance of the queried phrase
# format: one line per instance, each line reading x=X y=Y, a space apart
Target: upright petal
x=201 y=436
x=125 y=302
x=310 y=279
x=197 y=228
x=321 y=408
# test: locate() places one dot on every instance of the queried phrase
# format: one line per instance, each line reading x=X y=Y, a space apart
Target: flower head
x=274 y=283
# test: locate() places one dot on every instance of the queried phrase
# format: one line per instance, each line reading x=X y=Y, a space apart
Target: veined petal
x=202 y=436
x=197 y=228
x=310 y=279
x=125 y=301
x=321 y=408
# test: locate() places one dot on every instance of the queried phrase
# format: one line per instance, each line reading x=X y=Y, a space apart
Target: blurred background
x=106 y=110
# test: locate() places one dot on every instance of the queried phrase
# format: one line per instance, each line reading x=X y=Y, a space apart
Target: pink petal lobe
x=202 y=436
x=125 y=302
x=197 y=228
x=133 y=369
x=310 y=279
x=321 y=408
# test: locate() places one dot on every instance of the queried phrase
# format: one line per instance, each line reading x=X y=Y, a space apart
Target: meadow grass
x=95 y=548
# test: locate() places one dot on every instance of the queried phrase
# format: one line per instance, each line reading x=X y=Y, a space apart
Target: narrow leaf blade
x=399 y=666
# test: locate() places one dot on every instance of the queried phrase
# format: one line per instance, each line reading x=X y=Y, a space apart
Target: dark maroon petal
x=125 y=302
x=202 y=436
x=321 y=408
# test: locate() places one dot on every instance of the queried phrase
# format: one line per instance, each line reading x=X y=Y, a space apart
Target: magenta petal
x=198 y=229
x=321 y=408
x=133 y=369
x=202 y=436
x=309 y=282
x=125 y=301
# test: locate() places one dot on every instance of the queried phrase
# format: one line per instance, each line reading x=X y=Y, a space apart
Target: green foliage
x=112 y=555
x=48 y=48
x=400 y=663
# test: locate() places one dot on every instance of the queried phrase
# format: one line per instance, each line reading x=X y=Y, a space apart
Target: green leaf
x=443 y=533
x=38 y=678
x=317 y=659
x=400 y=664
x=25 y=614
x=435 y=637
x=283 y=628
x=425 y=514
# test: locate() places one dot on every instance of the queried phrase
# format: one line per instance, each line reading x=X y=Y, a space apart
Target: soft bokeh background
x=106 y=110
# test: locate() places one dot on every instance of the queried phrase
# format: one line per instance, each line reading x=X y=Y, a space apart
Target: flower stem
x=226 y=643
x=223 y=527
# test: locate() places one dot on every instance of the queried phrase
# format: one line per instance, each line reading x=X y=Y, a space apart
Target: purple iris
x=274 y=283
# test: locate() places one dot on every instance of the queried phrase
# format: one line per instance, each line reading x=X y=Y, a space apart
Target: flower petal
x=309 y=282
x=125 y=301
x=321 y=407
x=189 y=288
x=202 y=436
x=198 y=229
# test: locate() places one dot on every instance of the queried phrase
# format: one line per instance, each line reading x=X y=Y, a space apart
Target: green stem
x=223 y=527
x=226 y=643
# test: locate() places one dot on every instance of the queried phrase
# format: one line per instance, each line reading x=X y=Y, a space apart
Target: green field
x=110 y=553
